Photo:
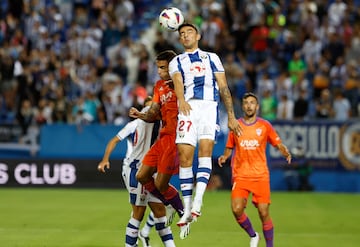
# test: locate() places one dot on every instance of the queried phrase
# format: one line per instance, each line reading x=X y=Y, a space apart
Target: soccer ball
x=171 y=18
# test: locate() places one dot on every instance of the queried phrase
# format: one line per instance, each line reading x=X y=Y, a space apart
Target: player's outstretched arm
x=149 y=116
x=104 y=163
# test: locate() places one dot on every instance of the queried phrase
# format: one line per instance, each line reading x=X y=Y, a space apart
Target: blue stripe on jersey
x=199 y=85
x=194 y=57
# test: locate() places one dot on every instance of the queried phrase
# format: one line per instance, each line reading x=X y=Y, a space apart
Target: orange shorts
x=260 y=190
x=163 y=155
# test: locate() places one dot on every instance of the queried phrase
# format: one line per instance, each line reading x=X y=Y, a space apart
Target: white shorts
x=138 y=196
x=201 y=123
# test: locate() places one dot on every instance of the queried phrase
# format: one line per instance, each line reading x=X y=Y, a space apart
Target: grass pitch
x=97 y=218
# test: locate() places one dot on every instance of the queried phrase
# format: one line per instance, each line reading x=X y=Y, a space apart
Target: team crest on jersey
x=197 y=69
x=258 y=132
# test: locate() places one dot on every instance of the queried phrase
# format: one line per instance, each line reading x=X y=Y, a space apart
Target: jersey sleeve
x=174 y=66
x=273 y=137
x=216 y=63
x=128 y=129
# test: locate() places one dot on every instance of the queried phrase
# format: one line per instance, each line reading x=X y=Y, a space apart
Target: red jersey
x=165 y=96
x=249 y=150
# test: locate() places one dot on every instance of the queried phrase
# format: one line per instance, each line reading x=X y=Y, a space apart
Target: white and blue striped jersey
x=198 y=71
x=140 y=135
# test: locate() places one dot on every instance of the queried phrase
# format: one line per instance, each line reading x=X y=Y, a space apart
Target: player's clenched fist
x=133 y=112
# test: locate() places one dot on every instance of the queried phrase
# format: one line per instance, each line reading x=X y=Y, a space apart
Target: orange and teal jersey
x=165 y=96
x=249 y=150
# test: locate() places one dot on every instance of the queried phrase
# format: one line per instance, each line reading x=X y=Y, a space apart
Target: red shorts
x=260 y=190
x=163 y=155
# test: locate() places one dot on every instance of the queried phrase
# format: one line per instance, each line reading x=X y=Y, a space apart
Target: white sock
x=202 y=178
x=186 y=177
x=164 y=232
x=145 y=231
x=132 y=231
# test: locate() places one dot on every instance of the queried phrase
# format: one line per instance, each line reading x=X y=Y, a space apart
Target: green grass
x=97 y=218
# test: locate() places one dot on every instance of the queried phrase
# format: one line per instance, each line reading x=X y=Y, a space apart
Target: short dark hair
x=187 y=24
x=250 y=94
x=167 y=55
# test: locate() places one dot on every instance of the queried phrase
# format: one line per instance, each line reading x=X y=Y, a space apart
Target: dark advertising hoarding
x=78 y=173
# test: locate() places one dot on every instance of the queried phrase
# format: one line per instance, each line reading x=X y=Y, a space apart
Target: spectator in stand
x=297 y=69
x=324 y=105
x=321 y=79
x=284 y=85
x=161 y=44
x=254 y=14
x=309 y=24
x=336 y=13
x=342 y=107
x=43 y=112
x=258 y=43
x=338 y=74
x=311 y=48
x=354 y=50
x=301 y=106
x=265 y=83
x=211 y=30
x=25 y=115
x=144 y=66
x=268 y=106
x=285 y=108
x=233 y=69
x=334 y=48
x=120 y=68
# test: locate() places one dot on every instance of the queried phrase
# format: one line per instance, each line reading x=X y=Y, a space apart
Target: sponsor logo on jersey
x=166 y=97
x=249 y=144
x=197 y=69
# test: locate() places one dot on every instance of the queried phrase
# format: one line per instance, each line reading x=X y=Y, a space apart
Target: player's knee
x=264 y=214
x=237 y=210
x=138 y=214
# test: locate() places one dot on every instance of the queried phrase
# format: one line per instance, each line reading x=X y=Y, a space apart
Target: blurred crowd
x=83 y=61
